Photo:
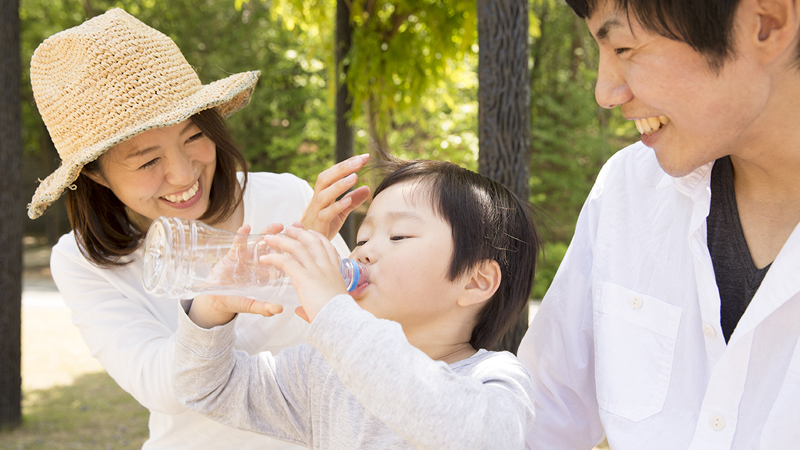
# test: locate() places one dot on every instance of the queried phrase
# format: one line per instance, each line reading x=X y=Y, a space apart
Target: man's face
x=688 y=113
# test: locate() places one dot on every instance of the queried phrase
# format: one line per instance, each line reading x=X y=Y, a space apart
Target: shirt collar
x=692 y=184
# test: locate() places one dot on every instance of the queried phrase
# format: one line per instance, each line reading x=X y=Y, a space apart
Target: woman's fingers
x=251 y=306
x=340 y=210
x=273 y=228
x=324 y=213
x=301 y=312
x=209 y=311
x=338 y=173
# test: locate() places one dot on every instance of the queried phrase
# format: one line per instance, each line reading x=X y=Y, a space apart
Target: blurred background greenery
x=412 y=76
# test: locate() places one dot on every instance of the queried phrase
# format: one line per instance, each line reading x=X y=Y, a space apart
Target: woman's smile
x=185 y=199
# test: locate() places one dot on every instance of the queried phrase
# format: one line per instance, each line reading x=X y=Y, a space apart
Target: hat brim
x=228 y=95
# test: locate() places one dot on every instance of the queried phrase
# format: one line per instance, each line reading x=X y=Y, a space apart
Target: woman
x=139 y=136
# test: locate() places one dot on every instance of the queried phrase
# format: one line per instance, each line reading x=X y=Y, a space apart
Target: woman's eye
x=621 y=50
x=195 y=137
x=150 y=163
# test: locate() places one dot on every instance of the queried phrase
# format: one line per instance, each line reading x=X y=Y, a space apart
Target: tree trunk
x=11 y=224
x=504 y=110
x=344 y=130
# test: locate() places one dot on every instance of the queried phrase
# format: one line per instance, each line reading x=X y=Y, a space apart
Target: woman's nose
x=612 y=88
x=181 y=170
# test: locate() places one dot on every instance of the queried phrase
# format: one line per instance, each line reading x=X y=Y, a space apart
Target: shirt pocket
x=634 y=345
x=781 y=430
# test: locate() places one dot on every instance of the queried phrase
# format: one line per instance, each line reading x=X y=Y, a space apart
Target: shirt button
x=717 y=423
x=709 y=331
x=635 y=302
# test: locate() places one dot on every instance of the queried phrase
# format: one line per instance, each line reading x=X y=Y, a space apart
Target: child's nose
x=365 y=254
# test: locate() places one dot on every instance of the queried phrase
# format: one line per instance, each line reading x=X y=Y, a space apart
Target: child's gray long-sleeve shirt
x=359 y=385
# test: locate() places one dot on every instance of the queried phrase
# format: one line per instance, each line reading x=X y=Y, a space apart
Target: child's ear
x=483 y=282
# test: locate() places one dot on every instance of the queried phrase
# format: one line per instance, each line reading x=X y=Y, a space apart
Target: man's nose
x=612 y=88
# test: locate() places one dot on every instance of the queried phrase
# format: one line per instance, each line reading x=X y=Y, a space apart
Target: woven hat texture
x=109 y=79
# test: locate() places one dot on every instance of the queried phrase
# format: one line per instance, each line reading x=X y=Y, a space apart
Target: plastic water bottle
x=185 y=258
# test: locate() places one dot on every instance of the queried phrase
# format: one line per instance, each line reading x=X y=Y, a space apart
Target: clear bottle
x=185 y=258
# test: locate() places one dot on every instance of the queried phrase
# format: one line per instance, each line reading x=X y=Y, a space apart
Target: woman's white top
x=132 y=333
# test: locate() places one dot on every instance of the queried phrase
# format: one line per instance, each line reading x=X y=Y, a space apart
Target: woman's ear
x=483 y=282
x=97 y=177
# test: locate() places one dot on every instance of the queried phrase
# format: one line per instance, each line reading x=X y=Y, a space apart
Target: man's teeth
x=650 y=125
x=185 y=196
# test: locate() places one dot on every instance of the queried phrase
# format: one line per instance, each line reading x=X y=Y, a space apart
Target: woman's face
x=162 y=172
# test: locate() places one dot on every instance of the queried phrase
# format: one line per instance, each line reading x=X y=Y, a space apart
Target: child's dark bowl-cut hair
x=488 y=222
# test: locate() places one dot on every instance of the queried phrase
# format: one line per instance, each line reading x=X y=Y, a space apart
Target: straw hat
x=109 y=79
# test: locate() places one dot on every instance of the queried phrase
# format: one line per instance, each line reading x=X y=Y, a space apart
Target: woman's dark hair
x=706 y=25
x=102 y=229
x=488 y=222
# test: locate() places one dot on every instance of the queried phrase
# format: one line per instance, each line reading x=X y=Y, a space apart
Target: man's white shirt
x=627 y=343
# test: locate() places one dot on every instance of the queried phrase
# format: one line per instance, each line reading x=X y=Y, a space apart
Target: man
x=674 y=319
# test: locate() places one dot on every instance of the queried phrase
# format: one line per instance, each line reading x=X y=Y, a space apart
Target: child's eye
x=195 y=137
x=398 y=238
x=360 y=243
x=150 y=163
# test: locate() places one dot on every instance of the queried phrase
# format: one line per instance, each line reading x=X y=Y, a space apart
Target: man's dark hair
x=488 y=222
x=100 y=223
x=705 y=25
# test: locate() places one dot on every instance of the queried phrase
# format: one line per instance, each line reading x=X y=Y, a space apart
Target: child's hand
x=323 y=213
x=312 y=262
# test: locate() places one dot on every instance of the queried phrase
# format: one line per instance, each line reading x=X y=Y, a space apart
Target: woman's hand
x=312 y=262
x=324 y=214
x=209 y=311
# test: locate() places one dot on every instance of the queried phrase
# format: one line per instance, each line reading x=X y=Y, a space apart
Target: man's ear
x=483 y=282
x=776 y=26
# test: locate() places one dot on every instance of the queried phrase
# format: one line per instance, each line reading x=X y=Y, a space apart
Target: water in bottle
x=185 y=258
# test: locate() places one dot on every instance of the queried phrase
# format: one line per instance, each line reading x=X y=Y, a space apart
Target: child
x=451 y=256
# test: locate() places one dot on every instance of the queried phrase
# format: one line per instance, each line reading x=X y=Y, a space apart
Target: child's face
x=408 y=249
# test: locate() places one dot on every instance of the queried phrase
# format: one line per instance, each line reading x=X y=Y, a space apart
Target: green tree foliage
x=413 y=76
x=411 y=72
x=571 y=135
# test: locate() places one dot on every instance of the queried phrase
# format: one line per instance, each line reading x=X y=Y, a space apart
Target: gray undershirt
x=737 y=277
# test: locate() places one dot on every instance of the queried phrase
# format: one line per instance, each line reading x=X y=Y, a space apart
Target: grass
x=69 y=402
x=92 y=413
